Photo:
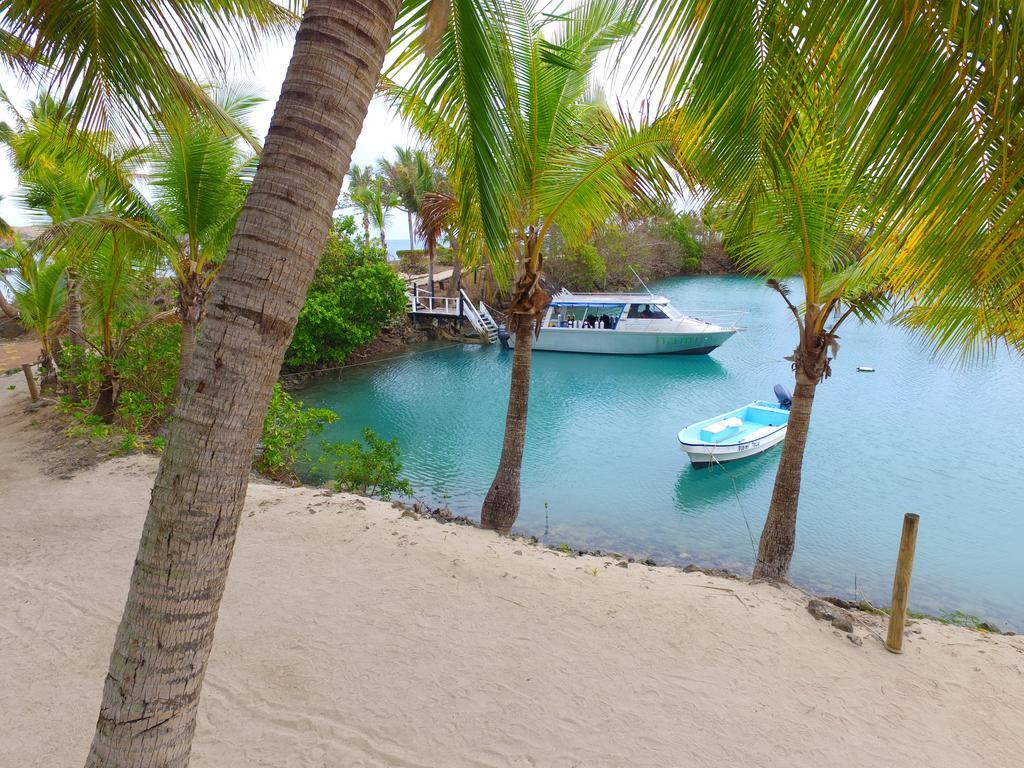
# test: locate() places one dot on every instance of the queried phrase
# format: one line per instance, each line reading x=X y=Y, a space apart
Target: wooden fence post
x=33 y=390
x=901 y=583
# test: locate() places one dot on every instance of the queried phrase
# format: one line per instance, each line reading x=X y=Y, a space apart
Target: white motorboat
x=625 y=324
x=740 y=433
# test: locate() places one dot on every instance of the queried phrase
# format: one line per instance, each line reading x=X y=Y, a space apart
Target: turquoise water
x=602 y=468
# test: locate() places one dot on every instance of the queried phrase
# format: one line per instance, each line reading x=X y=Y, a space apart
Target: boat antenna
x=637 y=276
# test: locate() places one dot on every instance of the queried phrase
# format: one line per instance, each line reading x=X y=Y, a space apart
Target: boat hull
x=614 y=342
x=706 y=454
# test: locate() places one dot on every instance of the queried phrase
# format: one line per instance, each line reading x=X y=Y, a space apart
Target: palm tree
x=113 y=279
x=116 y=65
x=198 y=177
x=6 y=232
x=166 y=632
x=359 y=179
x=199 y=180
x=409 y=176
x=65 y=180
x=849 y=142
x=437 y=215
x=561 y=160
x=370 y=194
x=374 y=201
x=39 y=284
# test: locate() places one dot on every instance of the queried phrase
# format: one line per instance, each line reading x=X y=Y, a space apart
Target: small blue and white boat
x=744 y=432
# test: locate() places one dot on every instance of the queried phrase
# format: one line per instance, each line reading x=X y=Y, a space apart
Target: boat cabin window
x=646 y=312
x=594 y=316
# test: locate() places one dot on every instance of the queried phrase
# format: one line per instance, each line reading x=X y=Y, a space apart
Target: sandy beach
x=353 y=636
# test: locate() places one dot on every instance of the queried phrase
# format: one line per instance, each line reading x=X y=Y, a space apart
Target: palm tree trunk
x=76 y=324
x=501 y=505
x=75 y=336
x=778 y=538
x=412 y=232
x=187 y=350
x=151 y=691
x=106 y=402
x=431 y=247
x=456 y=281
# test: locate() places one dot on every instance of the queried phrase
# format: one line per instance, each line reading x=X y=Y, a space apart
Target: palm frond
x=114 y=63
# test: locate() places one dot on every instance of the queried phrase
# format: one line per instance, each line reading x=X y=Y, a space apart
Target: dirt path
x=14 y=353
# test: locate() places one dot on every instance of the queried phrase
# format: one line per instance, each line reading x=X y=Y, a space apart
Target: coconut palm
x=166 y=632
x=409 y=176
x=6 y=262
x=39 y=284
x=117 y=65
x=359 y=178
x=114 y=277
x=198 y=175
x=374 y=201
x=851 y=144
x=962 y=279
x=437 y=215
x=64 y=180
x=563 y=160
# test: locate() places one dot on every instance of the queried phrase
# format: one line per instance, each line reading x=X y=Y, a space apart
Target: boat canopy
x=565 y=298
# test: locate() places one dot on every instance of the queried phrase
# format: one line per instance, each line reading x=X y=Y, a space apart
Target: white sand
x=352 y=637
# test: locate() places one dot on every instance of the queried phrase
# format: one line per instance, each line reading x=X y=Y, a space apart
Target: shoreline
x=73 y=454
x=353 y=632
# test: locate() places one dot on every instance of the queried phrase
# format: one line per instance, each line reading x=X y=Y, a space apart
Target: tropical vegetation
x=869 y=148
x=549 y=155
x=353 y=294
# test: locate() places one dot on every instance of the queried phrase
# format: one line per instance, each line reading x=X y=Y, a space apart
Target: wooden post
x=901 y=583
x=33 y=390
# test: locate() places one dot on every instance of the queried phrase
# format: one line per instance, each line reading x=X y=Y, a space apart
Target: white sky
x=262 y=74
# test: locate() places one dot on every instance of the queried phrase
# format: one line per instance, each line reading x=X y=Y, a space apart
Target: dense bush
x=353 y=295
x=416 y=262
x=145 y=373
x=412 y=261
x=660 y=245
x=680 y=229
x=580 y=268
x=285 y=430
x=372 y=470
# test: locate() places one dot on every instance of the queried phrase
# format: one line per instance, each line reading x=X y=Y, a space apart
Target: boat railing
x=727 y=318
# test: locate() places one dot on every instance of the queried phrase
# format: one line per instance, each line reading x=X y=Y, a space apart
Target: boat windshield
x=582 y=315
x=647 y=312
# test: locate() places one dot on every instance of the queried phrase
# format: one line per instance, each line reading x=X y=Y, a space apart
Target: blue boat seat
x=721 y=430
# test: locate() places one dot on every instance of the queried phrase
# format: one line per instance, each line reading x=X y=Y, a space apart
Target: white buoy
x=865 y=369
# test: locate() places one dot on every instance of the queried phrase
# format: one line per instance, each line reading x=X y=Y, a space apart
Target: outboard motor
x=783 y=396
x=503 y=335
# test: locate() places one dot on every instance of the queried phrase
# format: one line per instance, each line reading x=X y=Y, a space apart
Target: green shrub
x=147 y=374
x=416 y=262
x=589 y=264
x=679 y=229
x=285 y=430
x=412 y=261
x=353 y=295
x=372 y=470
x=581 y=268
x=145 y=371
